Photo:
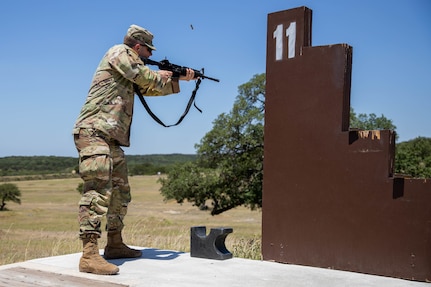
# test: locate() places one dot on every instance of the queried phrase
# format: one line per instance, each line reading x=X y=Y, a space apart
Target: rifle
x=176 y=69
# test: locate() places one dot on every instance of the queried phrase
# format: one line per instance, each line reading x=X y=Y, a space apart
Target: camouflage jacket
x=109 y=104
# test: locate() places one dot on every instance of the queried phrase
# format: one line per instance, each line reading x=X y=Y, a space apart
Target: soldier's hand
x=190 y=74
x=166 y=75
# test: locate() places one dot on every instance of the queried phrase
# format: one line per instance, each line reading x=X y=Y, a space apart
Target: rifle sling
x=189 y=104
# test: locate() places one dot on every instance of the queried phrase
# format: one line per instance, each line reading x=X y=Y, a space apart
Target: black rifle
x=177 y=70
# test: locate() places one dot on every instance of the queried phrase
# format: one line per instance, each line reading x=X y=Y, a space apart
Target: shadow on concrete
x=150 y=253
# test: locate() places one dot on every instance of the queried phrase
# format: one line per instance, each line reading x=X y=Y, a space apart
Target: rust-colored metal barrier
x=330 y=196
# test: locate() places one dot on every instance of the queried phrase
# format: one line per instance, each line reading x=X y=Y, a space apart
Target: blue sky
x=50 y=49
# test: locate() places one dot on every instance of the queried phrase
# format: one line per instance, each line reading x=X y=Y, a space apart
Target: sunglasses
x=149 y=49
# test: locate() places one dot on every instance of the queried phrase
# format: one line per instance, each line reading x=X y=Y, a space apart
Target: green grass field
x=45 y=224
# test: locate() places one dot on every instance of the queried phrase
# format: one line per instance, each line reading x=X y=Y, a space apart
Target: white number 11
x=290 y=35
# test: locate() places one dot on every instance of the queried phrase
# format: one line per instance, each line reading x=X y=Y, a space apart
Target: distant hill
x=160 y=159
x=37 y=165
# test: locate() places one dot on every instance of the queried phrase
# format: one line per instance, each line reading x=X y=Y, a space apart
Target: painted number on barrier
x=279 y=40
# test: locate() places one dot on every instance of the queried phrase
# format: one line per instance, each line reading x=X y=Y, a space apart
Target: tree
x=229 y=169
x=414 y=157
x=9 y=192
x=370 y=122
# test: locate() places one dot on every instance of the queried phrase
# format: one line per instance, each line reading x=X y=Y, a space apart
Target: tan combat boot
x=92 y=262
x=115 y=248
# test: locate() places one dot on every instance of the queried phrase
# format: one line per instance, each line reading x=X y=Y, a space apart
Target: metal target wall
x=330 y=197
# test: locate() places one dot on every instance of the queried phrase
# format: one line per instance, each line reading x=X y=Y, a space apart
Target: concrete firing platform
x=170 y=268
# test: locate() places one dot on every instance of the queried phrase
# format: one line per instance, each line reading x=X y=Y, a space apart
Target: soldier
x=103 y=126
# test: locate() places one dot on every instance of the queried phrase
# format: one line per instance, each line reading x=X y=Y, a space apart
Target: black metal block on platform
x=211 y=246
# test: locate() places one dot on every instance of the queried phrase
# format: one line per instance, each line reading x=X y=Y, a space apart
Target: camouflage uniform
x=103 y=126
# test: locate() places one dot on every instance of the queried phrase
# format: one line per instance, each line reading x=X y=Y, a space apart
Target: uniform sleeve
x=130 y=66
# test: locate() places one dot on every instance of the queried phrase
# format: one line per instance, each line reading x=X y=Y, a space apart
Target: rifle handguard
x=176 y=69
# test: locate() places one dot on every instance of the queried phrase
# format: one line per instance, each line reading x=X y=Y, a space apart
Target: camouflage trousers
x=106 y=190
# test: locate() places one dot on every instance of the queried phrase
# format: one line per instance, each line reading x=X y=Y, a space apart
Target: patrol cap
x=141 y=35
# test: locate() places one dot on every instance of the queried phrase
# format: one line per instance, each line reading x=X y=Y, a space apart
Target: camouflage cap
x=141 y=35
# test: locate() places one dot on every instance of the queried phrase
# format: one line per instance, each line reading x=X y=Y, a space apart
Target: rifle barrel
x=212 y=79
